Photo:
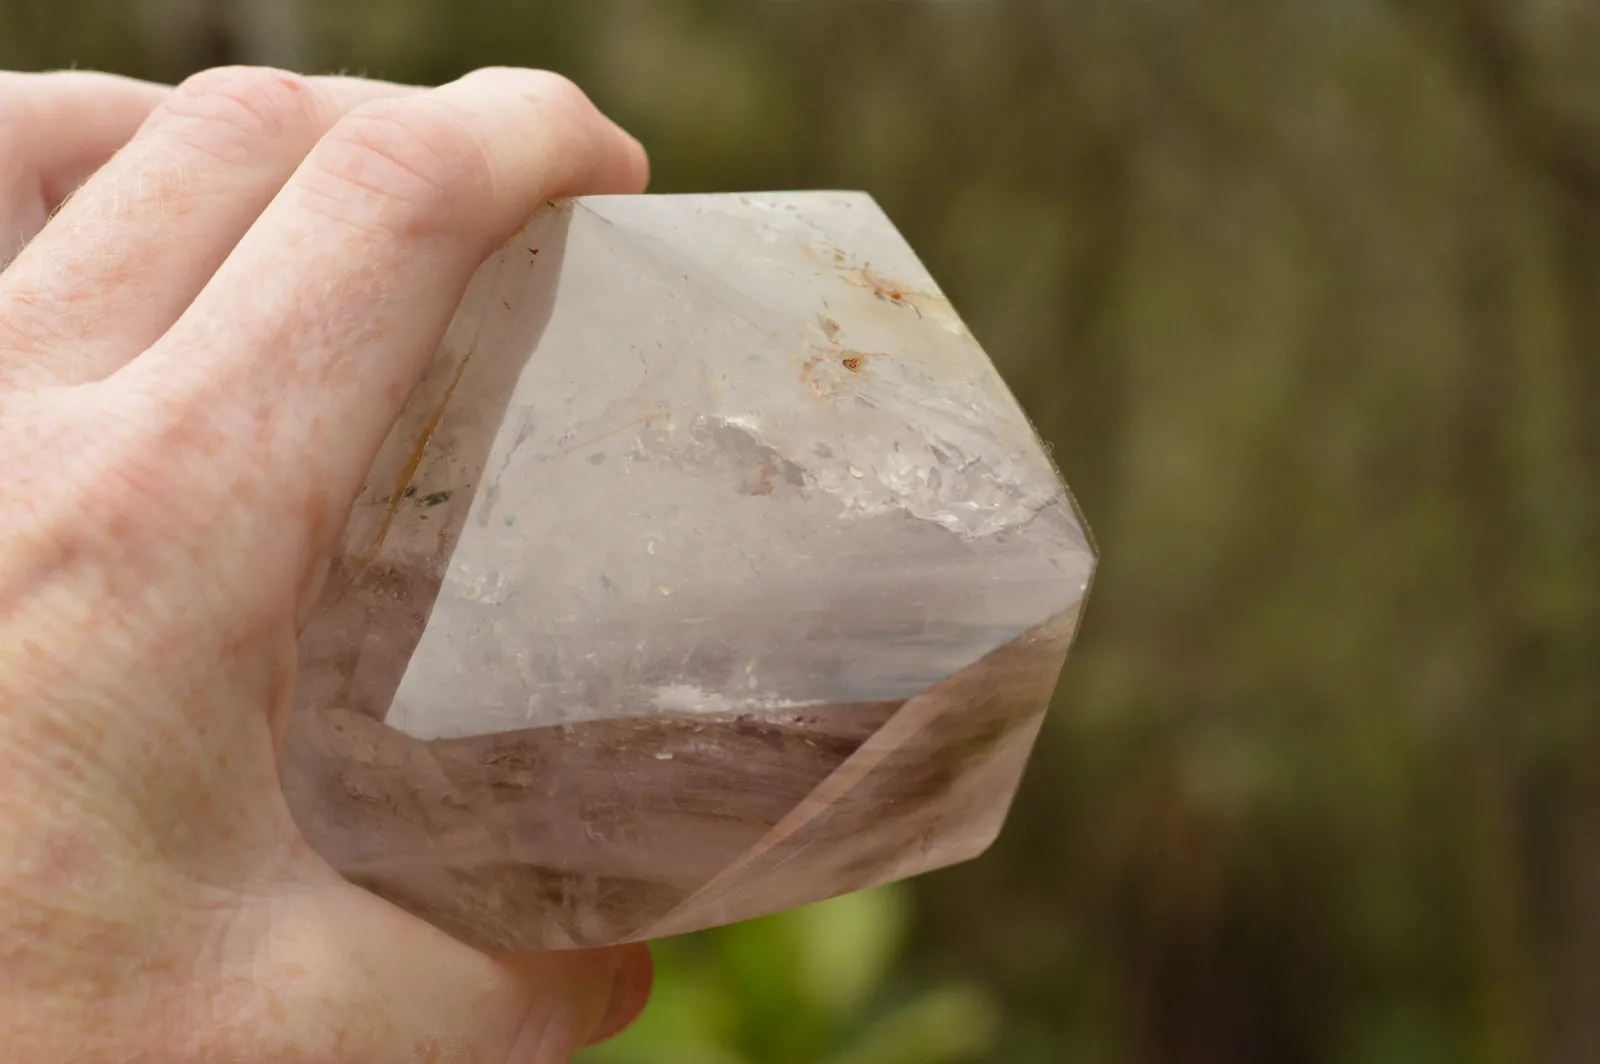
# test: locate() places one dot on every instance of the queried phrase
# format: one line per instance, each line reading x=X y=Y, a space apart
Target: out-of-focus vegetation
x=1306 y=294
x=813 y=986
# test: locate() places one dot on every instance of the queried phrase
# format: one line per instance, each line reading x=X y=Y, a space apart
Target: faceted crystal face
x=711 y=570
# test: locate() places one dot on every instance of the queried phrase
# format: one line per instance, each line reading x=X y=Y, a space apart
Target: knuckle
x=232 y=111
x=562 y=106
x=411 y=164
x=560 y=93
x=544 y=87
x=577 y=139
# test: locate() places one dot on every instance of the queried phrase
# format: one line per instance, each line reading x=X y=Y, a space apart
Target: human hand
x=200 y=354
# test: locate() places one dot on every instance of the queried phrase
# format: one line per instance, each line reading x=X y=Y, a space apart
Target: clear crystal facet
x=711 y=570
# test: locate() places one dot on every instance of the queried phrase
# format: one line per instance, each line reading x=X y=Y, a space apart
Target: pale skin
x=223 y=294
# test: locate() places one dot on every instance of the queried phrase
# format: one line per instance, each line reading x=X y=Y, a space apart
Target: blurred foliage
x=813 y=986
x=1306 y=294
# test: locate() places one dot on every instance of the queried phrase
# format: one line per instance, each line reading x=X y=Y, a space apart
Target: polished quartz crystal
x=711 y=570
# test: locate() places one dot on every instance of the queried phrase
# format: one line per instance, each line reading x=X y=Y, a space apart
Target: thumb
x=620 y=979
x=373 y=983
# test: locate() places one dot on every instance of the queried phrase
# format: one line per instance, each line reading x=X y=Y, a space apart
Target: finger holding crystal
x=123 y=259
x=303 y=347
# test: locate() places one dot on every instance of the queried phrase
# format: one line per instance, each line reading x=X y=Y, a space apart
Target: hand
x=200 y=353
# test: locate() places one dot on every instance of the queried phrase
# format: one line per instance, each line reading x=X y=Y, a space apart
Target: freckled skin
x=200 y=353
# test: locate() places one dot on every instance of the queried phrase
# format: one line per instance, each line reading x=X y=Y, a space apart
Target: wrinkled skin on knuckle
x=406 y=168
x=232 y=113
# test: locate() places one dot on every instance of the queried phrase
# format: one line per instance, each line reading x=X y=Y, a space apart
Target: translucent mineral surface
x=711 y=570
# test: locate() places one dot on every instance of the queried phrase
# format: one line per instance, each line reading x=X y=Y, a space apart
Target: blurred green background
x=1306 y=296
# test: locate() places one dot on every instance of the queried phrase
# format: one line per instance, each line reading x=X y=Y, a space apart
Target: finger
x=630 y=993
x=385 y=986
x=305 y=344
x=117 y=266
x=55 y=130
x=543 y=1036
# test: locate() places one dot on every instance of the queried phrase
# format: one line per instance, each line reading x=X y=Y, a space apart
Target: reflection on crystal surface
x=712 y=540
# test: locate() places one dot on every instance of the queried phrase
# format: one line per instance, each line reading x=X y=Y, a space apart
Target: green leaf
x=778 y=1019
x=848 y=946
x=951 y=1025
x=690 y=1019
x=638 y=1051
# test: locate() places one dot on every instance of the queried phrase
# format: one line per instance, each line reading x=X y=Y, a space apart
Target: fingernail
x=630 y=992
